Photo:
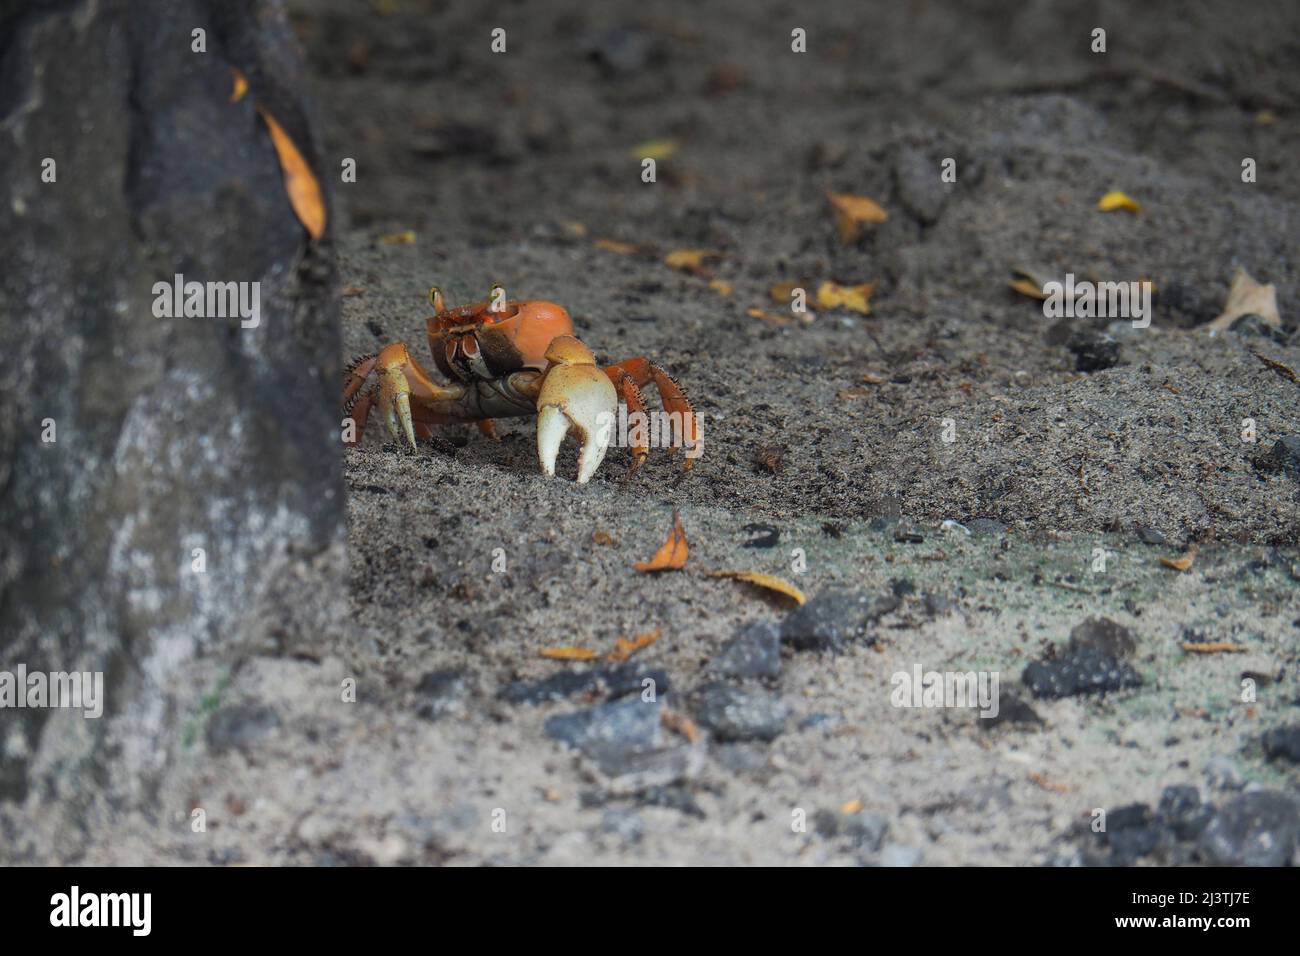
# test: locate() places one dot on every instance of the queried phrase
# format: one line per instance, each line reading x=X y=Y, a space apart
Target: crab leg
x=402 y=382
x=630 y=376
x=575 y=394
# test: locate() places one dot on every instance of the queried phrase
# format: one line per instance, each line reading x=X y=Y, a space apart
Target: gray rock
x=1085 y=671
x=440 y=693
x=1284 y=456
x=834 y=618
x=1255 y=829
x=1283 y=743
x=1103 y=635
x=610 y=733
x=1182 y=811
x=1222 y=773
x=173 y=433
x=240 y=727
x=735 y=713
x=754 y=652
x=1093 y=351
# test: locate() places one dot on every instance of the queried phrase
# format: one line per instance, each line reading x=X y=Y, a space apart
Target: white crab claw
x=575 y=394
x=395 y=395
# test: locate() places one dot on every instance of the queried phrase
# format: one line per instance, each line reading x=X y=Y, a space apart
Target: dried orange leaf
x=721 y=286
x=299 y=181
x=783 y=293
x=404 y=238
x=1213 y=647
x=622 y=248
x=352 y=290
x=1117 y=200
x=853 y=806
x=768 y=581
x=240 y=85
x=603 y=537
x=830 y=295
x=1248 y=297
x=570 y=654
x=625 y=648
x=854 y=212
x=672 y=554
x=1041 y=780
x=1180 y=564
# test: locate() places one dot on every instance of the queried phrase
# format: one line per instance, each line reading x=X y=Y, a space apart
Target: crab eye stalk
x=497 y=299
x=436 y=300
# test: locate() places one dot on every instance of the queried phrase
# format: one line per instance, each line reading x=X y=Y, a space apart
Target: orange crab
x=507 y=359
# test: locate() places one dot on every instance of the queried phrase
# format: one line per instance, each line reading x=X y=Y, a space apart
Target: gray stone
x=834 y=618
x=610 y=733
x=1283 y=743
x=735 y=713
x=240 y=727
x=1075 y=672
x=1103 y=635
x=754 y=652
x=1255 y=829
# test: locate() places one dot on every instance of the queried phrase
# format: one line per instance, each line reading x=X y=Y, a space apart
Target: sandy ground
x=509 y=168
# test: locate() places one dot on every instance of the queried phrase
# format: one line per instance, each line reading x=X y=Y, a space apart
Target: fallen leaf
x=622 y=248
x=873 y=379
x=1041 y=781
x=1213 y=647
x=654 y=149
x=852 y=213
x=721 y=286
x=1180 y=564
x=1030 y=288
x=768 y=581
x=690 y=260
x=1118 y=200
x=679 y=724
x=853 y=806
x=672 y=554
x=404 y=238
x=768 y=317
x=1248 y=297
x=603 y=537
x=783 y=293
x=240 y=85
x=299 y=181
x=353 y=290
x=830 y=295
x=625 y=648
x=569 y=654
x=1265 y=118
x=1284 y=370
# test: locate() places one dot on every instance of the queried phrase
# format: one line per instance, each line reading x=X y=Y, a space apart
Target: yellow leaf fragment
x=768 y=317
x=679 y=724
x=240 y=83
x=672 y=554
x=1028 y=287
x=404 y=238
x=853 y=213
x=1117 y=200
x=1248 y=297
x=853 y=806
x=622 y=248
x=625 y=647
x=689 y=260
x=721 y=286
x=603 y=537
x=768 y=581
x=655 y=149
x=569 y=654
x=299 y=181
x=831 y=295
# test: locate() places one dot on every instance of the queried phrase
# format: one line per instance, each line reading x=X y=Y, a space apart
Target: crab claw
x=395 y=394
x=575 y=394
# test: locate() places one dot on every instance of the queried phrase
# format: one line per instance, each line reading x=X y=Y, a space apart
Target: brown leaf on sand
x=679 y=724
x=1213 y=647
x=1285 y=371
x=691 y=260
x=625 y=647
x=299 y=181
x=240 y=84
x=1180 y=564
x=853 y=213
x=1247 y=297
x=768 y=581
x=672 y=554
x=569 y=653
